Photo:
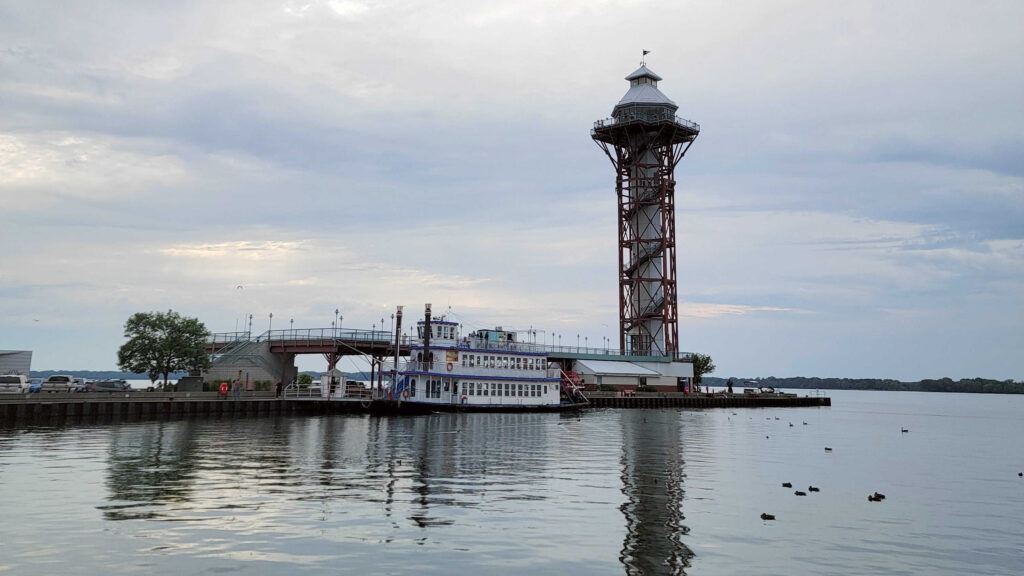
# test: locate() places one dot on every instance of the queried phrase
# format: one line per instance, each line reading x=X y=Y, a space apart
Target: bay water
x=600 y=492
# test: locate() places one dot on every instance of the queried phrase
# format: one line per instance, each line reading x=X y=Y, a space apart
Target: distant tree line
x=970 y=385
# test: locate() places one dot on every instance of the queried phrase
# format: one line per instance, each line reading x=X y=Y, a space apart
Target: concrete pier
x=58 y=409
x=697 y=401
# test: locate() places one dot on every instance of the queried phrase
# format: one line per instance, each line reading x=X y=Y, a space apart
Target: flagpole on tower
x=643 y=59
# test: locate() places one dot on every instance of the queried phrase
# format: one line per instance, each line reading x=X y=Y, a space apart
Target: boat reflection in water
x=496 y=493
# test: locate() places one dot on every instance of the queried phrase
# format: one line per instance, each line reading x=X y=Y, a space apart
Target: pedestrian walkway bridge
x=330 y=341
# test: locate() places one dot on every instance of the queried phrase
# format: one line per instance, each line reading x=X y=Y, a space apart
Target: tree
x=163 y=342
x=702 y=365
x=305 y=381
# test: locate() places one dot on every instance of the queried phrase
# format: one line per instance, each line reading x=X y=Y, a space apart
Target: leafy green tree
x=702 y=365
x=305 y=381
x=160 y=343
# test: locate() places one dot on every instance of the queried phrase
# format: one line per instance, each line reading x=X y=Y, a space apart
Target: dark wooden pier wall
x=49 y=410
x=708 y=401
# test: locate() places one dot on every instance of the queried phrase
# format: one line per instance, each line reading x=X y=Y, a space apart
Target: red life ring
x=405 y=393
x=464 y=399
x=449 y=366
x=223 y=387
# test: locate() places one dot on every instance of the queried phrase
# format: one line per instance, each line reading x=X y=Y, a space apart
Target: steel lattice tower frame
x=645 y=140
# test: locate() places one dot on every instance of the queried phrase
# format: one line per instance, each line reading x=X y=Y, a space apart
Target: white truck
x=14 y=384
x=58 y=383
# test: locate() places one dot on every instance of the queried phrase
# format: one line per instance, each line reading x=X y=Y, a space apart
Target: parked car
x=14 y=383
x=58 y=383
x=108 y=386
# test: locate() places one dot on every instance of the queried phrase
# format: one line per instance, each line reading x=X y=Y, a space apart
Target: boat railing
x=504 y=346
x=456 y=368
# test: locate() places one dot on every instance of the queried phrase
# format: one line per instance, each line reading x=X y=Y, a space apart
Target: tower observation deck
x=645 y=140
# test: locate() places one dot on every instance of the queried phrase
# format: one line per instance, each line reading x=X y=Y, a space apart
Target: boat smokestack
x=398 y=342
x=426 y=337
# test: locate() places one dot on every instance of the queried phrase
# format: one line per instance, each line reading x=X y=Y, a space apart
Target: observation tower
x=645 y=140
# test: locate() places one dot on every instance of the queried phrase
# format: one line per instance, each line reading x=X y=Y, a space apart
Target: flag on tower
x=646 y=52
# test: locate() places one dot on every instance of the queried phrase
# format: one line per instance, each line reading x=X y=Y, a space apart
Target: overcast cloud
x=854 y=205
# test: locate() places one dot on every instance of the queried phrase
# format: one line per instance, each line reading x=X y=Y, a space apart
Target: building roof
x=645 y=94
x=613 y=368
x=641 y=72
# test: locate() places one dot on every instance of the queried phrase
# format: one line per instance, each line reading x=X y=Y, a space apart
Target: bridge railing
x=300 y=335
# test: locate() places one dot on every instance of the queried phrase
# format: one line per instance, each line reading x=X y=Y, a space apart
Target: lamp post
x=335 y=321
x=270 y=326
x=392 y=323
x=586 y=345
x=250 y=326
x=291 y=327
x=577 y=343
x=340 y=320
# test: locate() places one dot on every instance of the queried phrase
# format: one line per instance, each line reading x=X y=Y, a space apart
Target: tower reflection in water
x=652 y=482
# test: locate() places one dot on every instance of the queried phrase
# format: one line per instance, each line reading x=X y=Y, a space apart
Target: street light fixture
x=270 y=325
x=335 y=321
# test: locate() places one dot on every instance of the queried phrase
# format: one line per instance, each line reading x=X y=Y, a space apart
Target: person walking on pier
x=236 y=389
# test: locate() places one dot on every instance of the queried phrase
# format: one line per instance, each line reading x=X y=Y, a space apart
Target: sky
x=853 y=206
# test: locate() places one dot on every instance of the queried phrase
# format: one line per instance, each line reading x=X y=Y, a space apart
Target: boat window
x=412 y=387
x=419 y=356
x=519 y=363
x=519 y=389
x=464 y=360
x=445 y=386
x=545 y=389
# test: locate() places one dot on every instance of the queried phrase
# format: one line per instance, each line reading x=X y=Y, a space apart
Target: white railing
x=460 y=370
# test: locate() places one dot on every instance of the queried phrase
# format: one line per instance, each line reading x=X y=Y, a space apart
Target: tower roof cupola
x=643 y=90
x=642 y=72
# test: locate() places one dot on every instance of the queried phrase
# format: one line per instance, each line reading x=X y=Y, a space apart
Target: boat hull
x=407 y=407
